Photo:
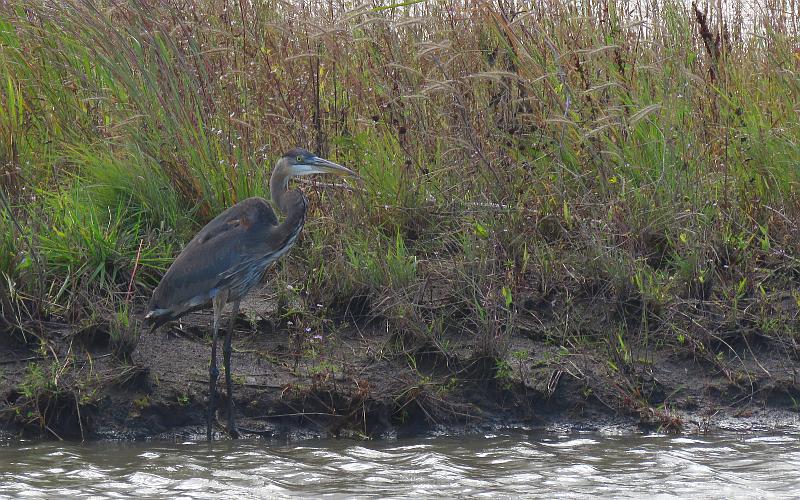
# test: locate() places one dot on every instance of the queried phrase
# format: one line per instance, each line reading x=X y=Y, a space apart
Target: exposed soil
x=356 y=380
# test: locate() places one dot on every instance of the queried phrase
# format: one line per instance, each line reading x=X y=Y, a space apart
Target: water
x=508 y=465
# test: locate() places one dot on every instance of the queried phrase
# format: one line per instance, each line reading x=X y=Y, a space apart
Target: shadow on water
x=510 y=464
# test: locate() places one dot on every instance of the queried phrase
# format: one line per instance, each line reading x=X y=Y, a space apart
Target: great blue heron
x=229 y=256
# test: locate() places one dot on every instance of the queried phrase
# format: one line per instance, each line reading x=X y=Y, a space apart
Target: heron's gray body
x=230 y=253
x=229 y=256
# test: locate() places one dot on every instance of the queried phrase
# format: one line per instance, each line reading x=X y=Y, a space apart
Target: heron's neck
x=292 y=204
x=278 y=186
x=295 y=206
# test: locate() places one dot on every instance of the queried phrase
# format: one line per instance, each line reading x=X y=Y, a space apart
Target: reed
x=634 y=160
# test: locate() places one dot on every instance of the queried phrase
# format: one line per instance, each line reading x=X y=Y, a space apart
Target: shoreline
x=568 y=213
x=360 y=382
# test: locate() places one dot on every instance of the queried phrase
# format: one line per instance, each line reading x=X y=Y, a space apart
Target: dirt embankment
x=362 y=380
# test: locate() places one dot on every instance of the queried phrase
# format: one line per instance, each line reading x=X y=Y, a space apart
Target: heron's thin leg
x=226 y=355
x=219 y=304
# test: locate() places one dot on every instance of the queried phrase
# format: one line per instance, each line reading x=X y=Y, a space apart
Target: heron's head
x=299 y=161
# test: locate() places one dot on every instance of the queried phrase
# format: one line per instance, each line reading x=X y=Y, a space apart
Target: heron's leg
x=226 y=355
x=219 y=304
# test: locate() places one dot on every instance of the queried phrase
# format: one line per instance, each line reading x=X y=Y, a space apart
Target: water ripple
x=518 y=465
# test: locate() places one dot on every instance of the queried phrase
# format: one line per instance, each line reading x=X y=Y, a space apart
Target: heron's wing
x=244 y=213
x=230 y=241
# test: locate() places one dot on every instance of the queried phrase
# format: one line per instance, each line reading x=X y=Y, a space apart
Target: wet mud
x=361 y=379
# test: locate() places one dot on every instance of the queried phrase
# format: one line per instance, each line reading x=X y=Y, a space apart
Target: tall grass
x=637 y=154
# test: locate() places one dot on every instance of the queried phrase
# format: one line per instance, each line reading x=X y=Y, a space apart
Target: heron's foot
x=232 y=432
x=230 y=427
x=210 y=423
x=212 y=401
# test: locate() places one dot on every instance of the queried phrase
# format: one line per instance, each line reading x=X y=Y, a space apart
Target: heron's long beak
x=317 y=165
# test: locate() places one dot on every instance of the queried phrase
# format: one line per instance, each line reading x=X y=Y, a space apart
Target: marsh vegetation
x=582 y=195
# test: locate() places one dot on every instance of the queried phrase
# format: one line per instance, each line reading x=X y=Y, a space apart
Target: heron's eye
x=299 y=158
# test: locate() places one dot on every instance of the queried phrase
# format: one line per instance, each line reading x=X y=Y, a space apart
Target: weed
x=629 y=185
x=37 y=383
x=503 y=373
x=124 y=333
x=141 y=403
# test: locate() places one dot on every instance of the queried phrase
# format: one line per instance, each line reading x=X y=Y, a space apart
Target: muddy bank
x=362 y=379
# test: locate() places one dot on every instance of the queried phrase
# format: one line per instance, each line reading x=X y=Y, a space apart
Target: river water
x=506 y=465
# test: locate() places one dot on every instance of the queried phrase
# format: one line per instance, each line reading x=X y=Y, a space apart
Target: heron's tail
x=157 y=317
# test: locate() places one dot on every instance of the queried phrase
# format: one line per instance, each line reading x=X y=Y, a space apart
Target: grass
x=637 y=174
